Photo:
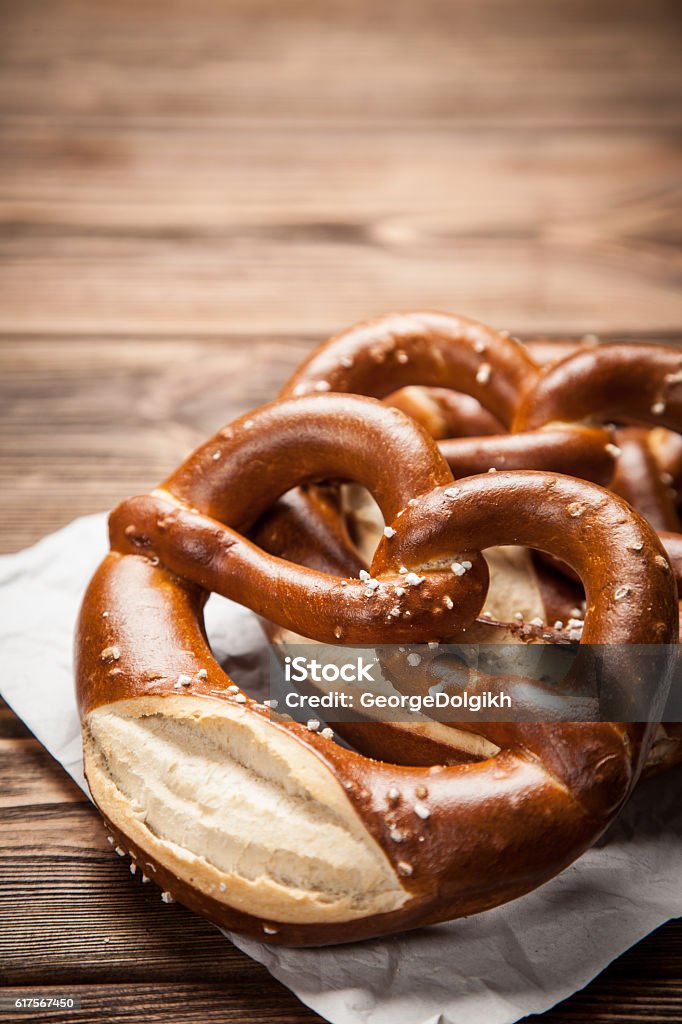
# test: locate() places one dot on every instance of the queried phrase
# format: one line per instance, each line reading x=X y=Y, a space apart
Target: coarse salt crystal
x=413 y=580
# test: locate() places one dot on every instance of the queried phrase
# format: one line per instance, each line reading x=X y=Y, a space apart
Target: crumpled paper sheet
x=494 y=968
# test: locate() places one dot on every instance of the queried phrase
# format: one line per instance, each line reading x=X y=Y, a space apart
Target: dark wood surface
x=191 y=195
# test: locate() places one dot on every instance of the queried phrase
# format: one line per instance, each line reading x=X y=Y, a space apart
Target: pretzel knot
x=271 y=828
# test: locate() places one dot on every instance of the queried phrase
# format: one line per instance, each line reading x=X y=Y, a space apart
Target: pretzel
x=266 y=826
x=426 y=348
x=497 y=374
x=441 y=352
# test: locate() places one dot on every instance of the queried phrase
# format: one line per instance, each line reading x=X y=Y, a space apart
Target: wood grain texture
x=194 y=193
x=493 y=62
x=305 y=229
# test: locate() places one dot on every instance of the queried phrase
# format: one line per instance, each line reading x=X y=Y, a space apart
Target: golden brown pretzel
x=425 y=348
x=432 y=348
x=264 y=825
x=649 y=469
x=428 y=355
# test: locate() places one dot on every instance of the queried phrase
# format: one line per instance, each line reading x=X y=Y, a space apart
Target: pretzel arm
x=322 y=607
x=580 y=451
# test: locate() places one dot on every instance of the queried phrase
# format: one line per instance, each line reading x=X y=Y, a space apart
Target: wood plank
x=84 y=423
x=490 y=62
x=24 y=770
x=307 y=230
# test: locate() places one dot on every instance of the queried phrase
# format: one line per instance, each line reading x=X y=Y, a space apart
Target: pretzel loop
x=242 y=470
x=426 y=348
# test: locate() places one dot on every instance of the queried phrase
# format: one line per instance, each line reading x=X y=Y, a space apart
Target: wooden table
x=192 y=194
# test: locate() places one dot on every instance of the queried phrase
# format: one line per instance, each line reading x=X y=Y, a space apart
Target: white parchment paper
x=494 y=968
